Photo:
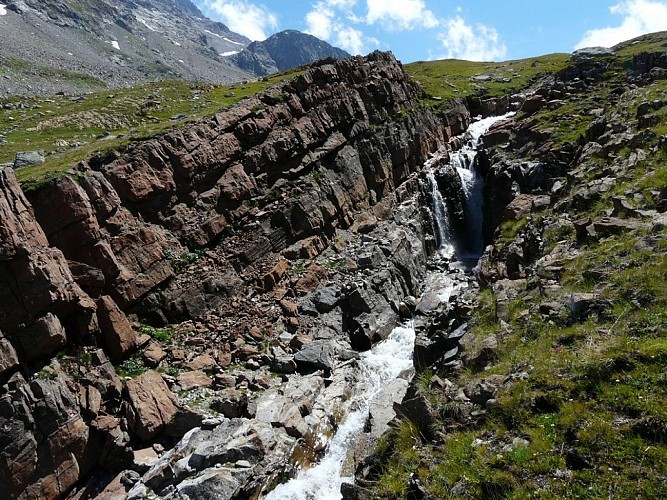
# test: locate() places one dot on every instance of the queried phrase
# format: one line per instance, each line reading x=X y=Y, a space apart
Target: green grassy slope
x=70 y=129
x=583 y=411
x=453 y=78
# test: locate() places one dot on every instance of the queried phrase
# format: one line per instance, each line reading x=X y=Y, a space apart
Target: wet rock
x=382 y=408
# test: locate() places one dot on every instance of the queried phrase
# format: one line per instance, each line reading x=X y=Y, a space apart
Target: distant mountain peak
x=94 y=44
x=285 y=49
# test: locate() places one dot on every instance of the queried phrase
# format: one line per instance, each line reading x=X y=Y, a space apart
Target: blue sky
x=436 y=29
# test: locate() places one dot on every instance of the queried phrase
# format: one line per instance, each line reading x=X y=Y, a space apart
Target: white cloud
x=246 y=18
x=320 y=21
x=639 y=17
x=329 y=20
x=344 y=4
x=479 y=43
x=351 y=40
x=400 y=14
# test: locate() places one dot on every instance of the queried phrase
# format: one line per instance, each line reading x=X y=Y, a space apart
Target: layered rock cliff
x=218 y=225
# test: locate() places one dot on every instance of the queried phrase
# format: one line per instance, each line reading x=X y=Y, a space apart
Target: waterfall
x=379 y=366
x=441 y=225
x=386 y=361
x=473 y=185
x=463 y=161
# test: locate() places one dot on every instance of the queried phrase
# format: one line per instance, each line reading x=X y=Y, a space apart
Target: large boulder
x=117 y=333
x=152 y=406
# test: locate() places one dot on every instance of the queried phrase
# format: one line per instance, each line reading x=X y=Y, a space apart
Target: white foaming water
x=439 y=211
x=442 y=285
x=464 y=160
x=379 y=366
x=3 y=10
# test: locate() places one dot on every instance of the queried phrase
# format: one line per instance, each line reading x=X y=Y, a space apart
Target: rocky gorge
x=186 y=317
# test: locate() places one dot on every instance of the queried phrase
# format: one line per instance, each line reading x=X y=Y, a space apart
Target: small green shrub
x=164 y=334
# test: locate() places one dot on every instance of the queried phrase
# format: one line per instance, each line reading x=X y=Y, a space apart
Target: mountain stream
x=388 y=359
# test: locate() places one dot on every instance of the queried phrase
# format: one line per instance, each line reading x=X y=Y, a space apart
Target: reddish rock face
x=152 y=405
x=35 y=279
x=119 y=337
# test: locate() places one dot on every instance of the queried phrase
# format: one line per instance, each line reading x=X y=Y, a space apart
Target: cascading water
x=463 y=161
x=387 y=360
x=442 y=229
x=473 y=185
x=379 y=366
